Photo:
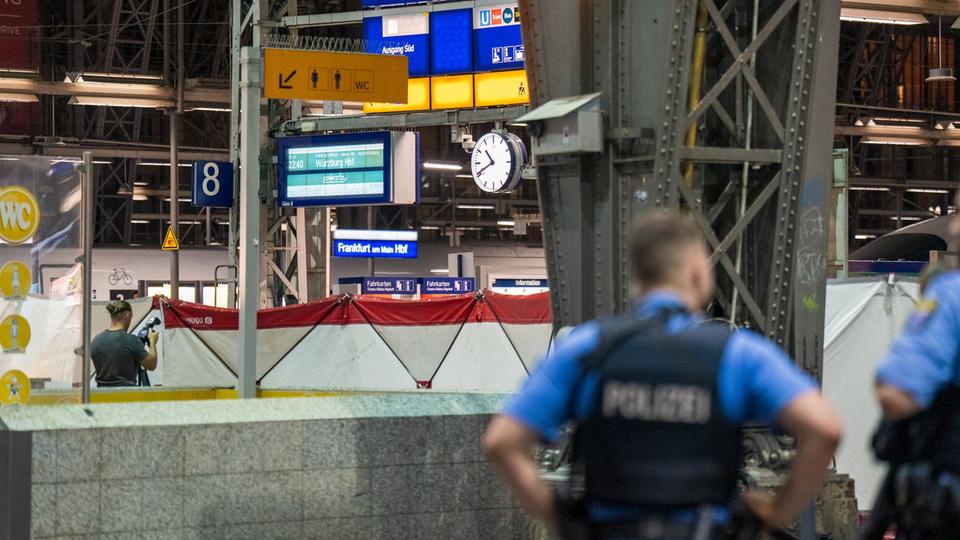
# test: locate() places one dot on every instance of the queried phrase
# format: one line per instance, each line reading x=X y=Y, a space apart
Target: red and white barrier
x=482 y=342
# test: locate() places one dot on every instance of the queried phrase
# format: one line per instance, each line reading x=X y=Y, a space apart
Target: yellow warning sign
x=19 y=215
x=14 y=280
x=170 y=242
x=14 y=387
x=291 y=74
x=14 y=334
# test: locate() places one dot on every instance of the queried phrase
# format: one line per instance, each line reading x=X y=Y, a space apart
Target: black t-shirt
x=116 y=355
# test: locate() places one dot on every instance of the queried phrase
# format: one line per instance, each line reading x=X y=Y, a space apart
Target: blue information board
x=447 y=285
x=388 y=286
x=498 y=42
x=407 y=35
x=521 y=283
x=212 y=184
x=451 y=42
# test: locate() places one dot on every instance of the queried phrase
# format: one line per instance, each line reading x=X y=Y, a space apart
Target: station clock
x=497 y=162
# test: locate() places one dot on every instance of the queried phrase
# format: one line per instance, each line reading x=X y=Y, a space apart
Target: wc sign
x=19 y=215
x=212 y=184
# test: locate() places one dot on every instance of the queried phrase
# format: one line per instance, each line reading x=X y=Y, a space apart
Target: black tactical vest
x=656 y=435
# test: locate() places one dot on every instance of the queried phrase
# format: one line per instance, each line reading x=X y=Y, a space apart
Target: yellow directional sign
x=292 y=74
x=170 y=242
x=19 y=215
x=14 y=387
x=14 y=334
x=14 y=280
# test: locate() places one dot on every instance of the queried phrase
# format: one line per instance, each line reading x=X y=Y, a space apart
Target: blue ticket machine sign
x=447 y=285
x=388 y=285
x=212 y=184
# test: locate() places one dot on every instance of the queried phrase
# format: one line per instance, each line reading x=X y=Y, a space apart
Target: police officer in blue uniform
x=918 y=387
x=657 y=399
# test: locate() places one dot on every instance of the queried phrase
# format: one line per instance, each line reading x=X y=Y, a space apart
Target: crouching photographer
x=118 y=356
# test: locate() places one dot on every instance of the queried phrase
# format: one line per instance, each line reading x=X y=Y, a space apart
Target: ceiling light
x=141 y=184
x=940 y=73
x=881 y=17
x=18 y=98
x=469 y=228
x=435 y=165
x=864 y=121
x=475 y=207
x=163 y=164
x=925 y=190
x=868 y=188
x=896 y=141
x=99 y=76
x=944 y=124
x=470 y=176
x=139 y=197
x=440 y=271
x=506 y=223
x=124 y=190
x=99 y=101
x=896 y=120
x=429 y=228
x=140 y=221
x=865 y=236
x=905 y=218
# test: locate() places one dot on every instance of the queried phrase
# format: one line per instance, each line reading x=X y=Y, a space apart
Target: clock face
x=495 y=162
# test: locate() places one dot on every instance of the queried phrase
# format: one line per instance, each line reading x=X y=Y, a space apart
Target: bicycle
x=120 y=275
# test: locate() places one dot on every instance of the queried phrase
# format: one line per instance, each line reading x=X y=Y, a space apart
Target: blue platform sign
x=212 y=184
x=447 y=285
x=406 y=34
x=375 y=244
x=498 y=43
x=388 y=286
x=451 y=42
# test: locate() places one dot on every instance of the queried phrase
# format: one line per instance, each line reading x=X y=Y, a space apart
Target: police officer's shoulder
x=943 y=283
x=578 y=340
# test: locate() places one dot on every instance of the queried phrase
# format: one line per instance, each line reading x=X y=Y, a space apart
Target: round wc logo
x=19 y=215
x=14 y=280
x=14 y=334
x=14 y=387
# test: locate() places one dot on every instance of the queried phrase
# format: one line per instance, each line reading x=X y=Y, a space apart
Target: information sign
x=388 y=286
x=501 y=88
x=401 y=35
x=498 y=42
x=447 y=285
x=375 y=244
x=212 y=184
x=19 y=214
x=318 y=75
x=451 y=42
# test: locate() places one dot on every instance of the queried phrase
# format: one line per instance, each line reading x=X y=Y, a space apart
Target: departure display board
x=335 y=169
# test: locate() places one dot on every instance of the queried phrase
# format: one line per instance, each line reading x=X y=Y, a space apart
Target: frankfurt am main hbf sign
x=375 y=244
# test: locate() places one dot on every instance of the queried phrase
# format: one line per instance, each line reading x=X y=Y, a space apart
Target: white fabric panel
x=862 y=320
x=188 y=362
x=54 y=335
x=531 y=341
x=351 y=356
x=272 y=344
x=481 y=359
x=420 y=348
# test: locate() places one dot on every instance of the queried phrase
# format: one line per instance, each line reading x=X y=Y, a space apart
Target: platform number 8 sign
x=212 y=184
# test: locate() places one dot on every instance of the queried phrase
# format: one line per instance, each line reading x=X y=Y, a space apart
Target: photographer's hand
x=152 y=336
x=150 y=361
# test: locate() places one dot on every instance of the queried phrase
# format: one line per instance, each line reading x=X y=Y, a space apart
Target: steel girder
x=756 y=177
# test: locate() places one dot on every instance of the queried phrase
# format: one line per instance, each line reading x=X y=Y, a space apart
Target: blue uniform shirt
x=922 y=361
x=756 y=379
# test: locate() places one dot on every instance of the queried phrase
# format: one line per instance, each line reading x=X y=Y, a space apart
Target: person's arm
x=765 y=386
x=507 y=444
x=538 y=412
x=815 y=426
x=149 y=361
x=921 y=360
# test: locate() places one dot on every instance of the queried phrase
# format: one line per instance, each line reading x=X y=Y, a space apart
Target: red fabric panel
x=514 y=309
x=532 y=309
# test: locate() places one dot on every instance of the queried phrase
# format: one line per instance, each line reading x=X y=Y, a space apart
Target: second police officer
x=658 y=400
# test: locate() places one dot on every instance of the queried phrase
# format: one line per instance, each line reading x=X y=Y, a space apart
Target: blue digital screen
x=447 y=285
x=416 y=47
x=451 y=42
x=388 y=286
x=375 y=249
x=334 y=170
x=212 y=184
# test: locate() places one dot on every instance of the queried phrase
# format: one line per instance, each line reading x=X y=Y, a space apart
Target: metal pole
x=86 y=225
x=236 y=18
x=174 y=160
x=327 y=251
x=250 y=89
x=370 y=261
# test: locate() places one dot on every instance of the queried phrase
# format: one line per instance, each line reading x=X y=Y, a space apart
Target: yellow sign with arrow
x=318 y=75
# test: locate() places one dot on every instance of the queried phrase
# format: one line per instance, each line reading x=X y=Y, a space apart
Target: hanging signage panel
x=447 y=285
x=318 y=75
x=401 y=35
x=418 y=99
x=212 y=184
x=388 y=286
x=453 y=92
x=501 y=88
x=451 y=42
x=498 y=43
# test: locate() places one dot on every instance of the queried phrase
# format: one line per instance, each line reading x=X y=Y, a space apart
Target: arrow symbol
x=282 y=83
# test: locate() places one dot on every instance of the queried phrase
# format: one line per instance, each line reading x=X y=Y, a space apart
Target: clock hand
x=487 y=152
x=485 y=168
